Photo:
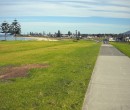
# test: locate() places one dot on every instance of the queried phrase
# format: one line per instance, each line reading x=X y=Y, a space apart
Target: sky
x=86 y=16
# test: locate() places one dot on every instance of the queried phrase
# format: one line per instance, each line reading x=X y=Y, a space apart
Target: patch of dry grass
x=9 y=72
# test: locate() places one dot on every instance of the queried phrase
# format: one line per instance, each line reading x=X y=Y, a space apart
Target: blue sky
x=87 y=16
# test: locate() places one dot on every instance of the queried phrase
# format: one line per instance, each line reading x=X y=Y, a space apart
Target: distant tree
x=55 y=34
x=49 y=34
x=69 y=33
x=5 y=28
x=15 y=28
x=78 y=33
x=44 y=33
x=30 y=33
x=59 y=33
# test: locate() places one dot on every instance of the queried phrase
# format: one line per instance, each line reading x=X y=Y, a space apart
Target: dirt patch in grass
x=10 y=72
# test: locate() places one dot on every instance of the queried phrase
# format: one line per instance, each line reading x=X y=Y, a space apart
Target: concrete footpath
x=109 y=88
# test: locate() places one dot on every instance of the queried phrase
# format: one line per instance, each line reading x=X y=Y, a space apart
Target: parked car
x=105 y=41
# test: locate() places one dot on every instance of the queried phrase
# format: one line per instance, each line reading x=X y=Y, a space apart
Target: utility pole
x=76 y=34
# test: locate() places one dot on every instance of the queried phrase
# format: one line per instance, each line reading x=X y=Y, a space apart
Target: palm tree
x=15 y=28
x=5 y=28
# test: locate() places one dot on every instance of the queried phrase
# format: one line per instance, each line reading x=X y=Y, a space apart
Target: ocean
x=11 y=37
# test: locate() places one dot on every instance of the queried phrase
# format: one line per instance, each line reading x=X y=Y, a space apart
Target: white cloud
x=75 y=8
x=100 y=8
x=120 y=2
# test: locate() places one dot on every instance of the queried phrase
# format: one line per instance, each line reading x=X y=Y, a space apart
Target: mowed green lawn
x=60 y=86
x=123 y=47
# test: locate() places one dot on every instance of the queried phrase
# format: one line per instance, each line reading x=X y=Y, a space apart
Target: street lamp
x=76 y=34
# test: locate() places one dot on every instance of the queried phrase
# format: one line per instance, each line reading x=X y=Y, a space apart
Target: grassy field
x=59 y=86
x=123 y=47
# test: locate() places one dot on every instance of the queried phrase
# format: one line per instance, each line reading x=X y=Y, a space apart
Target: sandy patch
x=41 y=39
x=10 y=72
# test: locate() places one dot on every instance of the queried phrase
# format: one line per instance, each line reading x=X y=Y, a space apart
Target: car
x=105 y=41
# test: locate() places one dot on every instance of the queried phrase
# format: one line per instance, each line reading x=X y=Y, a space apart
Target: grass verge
x=60 y=86
x=123 y=47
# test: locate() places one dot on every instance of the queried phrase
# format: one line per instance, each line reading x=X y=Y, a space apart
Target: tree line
x=13 y=28
x=56 y=34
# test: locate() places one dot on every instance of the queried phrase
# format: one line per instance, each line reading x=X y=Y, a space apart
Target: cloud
x=89 y=16
x=84 y=8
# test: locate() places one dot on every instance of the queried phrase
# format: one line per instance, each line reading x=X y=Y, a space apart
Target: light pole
x=76 y=34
